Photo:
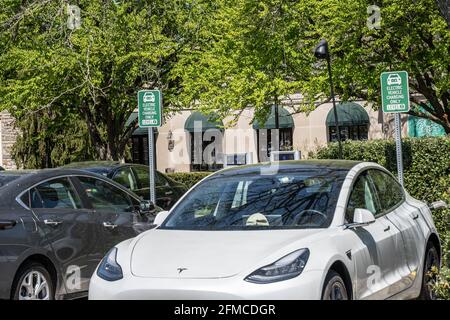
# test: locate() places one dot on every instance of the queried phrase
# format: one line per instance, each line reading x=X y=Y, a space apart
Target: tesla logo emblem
x=180 y=270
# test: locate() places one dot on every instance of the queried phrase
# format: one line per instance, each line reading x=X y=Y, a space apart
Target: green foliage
x=189 y=179
x=251 y=55
x=36 y=148
x=93 y=72
x=255 y=51
x=442 y=284
x=221 y=56
x=427 y=177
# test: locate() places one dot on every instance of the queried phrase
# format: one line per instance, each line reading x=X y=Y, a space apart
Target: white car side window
x=362 y=197
x=370 y=204
x=389 y=191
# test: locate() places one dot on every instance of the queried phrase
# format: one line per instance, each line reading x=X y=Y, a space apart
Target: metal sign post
x=150 y=116
x=398 y=144
x=151 y=165
x=395 y=99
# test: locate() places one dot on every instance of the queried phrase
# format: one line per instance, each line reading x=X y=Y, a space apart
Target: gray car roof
x=29 y=178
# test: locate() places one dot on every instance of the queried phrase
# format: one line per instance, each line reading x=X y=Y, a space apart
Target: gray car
x=57 y=225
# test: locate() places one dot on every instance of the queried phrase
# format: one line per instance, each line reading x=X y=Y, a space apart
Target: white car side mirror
x=438 y=205
x=361 y=218
x=160 y=217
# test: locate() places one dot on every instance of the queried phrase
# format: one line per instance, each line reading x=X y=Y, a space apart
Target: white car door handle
x=387 y=229
x=52 y=223
x=109 y=225
x=416 y=216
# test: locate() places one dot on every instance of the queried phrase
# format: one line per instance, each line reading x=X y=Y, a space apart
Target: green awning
x=284 y=119
x=206 y=123
x=349 y=114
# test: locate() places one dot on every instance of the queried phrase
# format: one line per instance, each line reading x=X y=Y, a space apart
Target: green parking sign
x=149 y=106
x=395 y=92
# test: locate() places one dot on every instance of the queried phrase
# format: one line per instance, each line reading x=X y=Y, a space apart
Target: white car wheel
x=334 y=288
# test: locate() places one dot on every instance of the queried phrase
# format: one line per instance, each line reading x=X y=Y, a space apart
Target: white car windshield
x=305 y=199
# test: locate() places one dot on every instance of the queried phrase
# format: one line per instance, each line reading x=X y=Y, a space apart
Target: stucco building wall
x=310 y=132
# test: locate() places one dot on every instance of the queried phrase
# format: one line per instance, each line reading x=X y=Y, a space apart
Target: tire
x=431 y=260
x=334 y=287
x=33 y=273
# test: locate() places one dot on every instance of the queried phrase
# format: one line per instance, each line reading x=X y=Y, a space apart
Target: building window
x=353 y=121
x=360 y=132
x=206 y=151
x=199 y=163
x=139 y=149
x=264 y=142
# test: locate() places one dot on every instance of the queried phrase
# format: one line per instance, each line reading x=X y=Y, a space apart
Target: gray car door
x=68 y=228
x=116 y=212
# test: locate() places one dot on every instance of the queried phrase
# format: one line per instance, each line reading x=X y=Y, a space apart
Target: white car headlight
x=109 y=269
x=286 y=268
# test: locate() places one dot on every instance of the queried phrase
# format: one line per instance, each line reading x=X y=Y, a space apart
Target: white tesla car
x=303 y=230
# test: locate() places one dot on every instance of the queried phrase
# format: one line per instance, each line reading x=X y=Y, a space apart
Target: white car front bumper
x=307 y=286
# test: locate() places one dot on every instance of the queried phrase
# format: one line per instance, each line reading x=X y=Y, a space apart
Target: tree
x=412 y=36
x=250 y=57
x=91 y=73
x=221 y=56
x=263 y=50
x=47 y=141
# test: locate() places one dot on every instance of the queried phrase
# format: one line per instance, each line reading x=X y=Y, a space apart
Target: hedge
x=189 y=179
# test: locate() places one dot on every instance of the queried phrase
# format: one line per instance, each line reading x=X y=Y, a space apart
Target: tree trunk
x=94 y=132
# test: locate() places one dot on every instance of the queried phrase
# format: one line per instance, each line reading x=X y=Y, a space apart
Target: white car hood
x=207 y=254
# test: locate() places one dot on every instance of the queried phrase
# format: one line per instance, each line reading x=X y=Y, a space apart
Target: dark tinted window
x=303 y=199
x=362 y=197
x=160 y=180
x=142 y=177
x=389 y=191
x=25 y=198
x=105 y=196
x=125 y=177
x=55 y=194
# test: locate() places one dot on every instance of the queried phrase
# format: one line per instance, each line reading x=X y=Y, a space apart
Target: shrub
x=442 y=284
x=189 y=179
x=426 y=177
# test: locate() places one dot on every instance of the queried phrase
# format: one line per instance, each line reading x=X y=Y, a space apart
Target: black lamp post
x=322 y=52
